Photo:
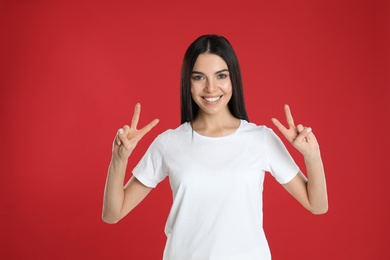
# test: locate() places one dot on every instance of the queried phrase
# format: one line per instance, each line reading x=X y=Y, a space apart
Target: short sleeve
x=279 y=162
x=150 y=169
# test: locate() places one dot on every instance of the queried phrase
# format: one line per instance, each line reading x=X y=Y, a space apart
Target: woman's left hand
x=301 y=137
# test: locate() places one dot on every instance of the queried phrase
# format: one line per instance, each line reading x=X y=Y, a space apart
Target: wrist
x=119 y=160
x=312 y=156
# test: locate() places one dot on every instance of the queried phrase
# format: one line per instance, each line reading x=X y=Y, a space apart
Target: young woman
x=215 y=161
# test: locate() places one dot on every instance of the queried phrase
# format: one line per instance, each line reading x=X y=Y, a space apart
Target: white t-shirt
x=217 y=185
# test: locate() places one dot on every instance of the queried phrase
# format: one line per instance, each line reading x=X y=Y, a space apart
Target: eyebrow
x=220 y=71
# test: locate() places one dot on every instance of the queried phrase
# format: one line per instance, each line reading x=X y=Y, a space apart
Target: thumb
x=300 y=128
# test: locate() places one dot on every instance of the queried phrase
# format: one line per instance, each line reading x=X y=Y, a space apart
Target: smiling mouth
x=212 y=99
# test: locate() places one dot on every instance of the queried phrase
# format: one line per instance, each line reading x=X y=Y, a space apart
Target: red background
x=70 y=75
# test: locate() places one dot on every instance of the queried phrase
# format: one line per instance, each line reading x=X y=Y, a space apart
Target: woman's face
x=211 y=87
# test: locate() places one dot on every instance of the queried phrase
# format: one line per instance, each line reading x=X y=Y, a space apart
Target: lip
x=212 y=99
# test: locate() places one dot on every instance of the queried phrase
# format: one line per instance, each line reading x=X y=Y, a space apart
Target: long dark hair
x=218 y=45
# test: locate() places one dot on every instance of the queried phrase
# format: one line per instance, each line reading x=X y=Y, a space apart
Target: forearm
x=114 y=190
x=316 y=184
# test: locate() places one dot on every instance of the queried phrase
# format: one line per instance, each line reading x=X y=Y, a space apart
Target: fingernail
x=309 y=129
x=118 y=142
x=120 y=131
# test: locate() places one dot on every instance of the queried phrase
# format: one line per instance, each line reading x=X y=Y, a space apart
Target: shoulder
x=249 y=127
x=181 y=130
x=261 y=133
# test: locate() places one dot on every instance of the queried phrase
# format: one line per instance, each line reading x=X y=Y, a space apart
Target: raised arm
x=119 y=200
x=311 y=191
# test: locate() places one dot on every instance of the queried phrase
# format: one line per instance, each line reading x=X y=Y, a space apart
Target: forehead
x=207 y=62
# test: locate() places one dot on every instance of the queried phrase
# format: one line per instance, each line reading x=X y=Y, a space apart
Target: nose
x=211 y=85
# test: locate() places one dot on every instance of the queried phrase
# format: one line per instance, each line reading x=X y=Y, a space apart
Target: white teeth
x=212 y=99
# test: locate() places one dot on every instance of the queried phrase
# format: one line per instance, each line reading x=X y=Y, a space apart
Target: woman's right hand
x=127 y=137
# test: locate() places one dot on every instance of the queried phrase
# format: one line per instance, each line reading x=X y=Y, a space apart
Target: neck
x=215 y=126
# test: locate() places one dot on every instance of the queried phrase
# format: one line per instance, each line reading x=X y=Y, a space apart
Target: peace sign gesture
x=302 y=138
x=128 y=136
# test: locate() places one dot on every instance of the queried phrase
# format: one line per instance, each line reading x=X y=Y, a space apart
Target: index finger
x=149 y=127
x=280 y=126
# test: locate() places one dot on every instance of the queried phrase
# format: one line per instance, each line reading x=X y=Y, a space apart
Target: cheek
x=227 y=88
x=195 y=88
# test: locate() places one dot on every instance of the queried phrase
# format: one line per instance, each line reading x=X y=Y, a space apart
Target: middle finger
x=289 y=118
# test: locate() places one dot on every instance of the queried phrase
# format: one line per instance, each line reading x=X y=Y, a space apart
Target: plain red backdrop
x=71 y=73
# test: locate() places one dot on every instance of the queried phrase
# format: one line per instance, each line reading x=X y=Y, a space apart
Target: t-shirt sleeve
x=279 y=162
x=150 y=169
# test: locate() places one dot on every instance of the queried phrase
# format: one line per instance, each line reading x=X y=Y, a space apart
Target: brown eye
x=222 y=76
x=197 y=78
